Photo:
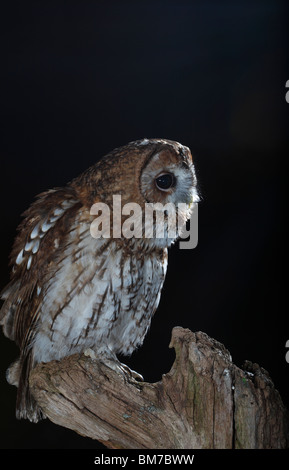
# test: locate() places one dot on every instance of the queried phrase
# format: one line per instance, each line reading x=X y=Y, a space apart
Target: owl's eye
x=165 y=181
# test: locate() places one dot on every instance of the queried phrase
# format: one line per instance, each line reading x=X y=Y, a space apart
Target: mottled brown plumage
x=70 y=292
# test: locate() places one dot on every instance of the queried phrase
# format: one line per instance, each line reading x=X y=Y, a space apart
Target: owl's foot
x=113 y=363
x=123 y=369
x=131 y=373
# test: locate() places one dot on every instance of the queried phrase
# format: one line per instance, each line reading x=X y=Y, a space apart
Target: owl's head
x=168 y=179
x=146 y=173
x=167 y=173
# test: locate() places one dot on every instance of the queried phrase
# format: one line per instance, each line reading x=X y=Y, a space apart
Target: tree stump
x=204 y=402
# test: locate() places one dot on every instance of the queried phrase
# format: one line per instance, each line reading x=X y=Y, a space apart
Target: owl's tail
x=18 y=374
x=8 y=309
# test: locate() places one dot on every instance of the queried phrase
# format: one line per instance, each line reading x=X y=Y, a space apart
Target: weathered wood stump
x=204 y=402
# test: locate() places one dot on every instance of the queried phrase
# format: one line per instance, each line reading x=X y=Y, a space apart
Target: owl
x=71 y=292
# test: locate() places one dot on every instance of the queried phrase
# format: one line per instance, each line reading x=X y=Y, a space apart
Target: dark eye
x=165 y=181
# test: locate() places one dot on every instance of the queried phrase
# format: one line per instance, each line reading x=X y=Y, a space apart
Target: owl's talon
x=120 y=368
x=115 y=365
x=132 y=374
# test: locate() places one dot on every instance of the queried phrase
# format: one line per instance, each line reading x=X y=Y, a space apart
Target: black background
x=81 y=78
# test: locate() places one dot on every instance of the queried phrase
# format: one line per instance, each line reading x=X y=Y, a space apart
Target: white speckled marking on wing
x=38 y=232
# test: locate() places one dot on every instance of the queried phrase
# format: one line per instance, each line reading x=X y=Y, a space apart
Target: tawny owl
x=70 y=291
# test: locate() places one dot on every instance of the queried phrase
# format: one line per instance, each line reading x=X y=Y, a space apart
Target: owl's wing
x=41 y=237
x=34 y=251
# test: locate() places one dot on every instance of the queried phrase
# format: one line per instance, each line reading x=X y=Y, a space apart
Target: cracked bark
x=204 y=402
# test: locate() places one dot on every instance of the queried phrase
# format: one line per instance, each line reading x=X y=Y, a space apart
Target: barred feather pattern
x=70 y=292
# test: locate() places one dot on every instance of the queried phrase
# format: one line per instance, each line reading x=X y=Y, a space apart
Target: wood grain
x=203 y=402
